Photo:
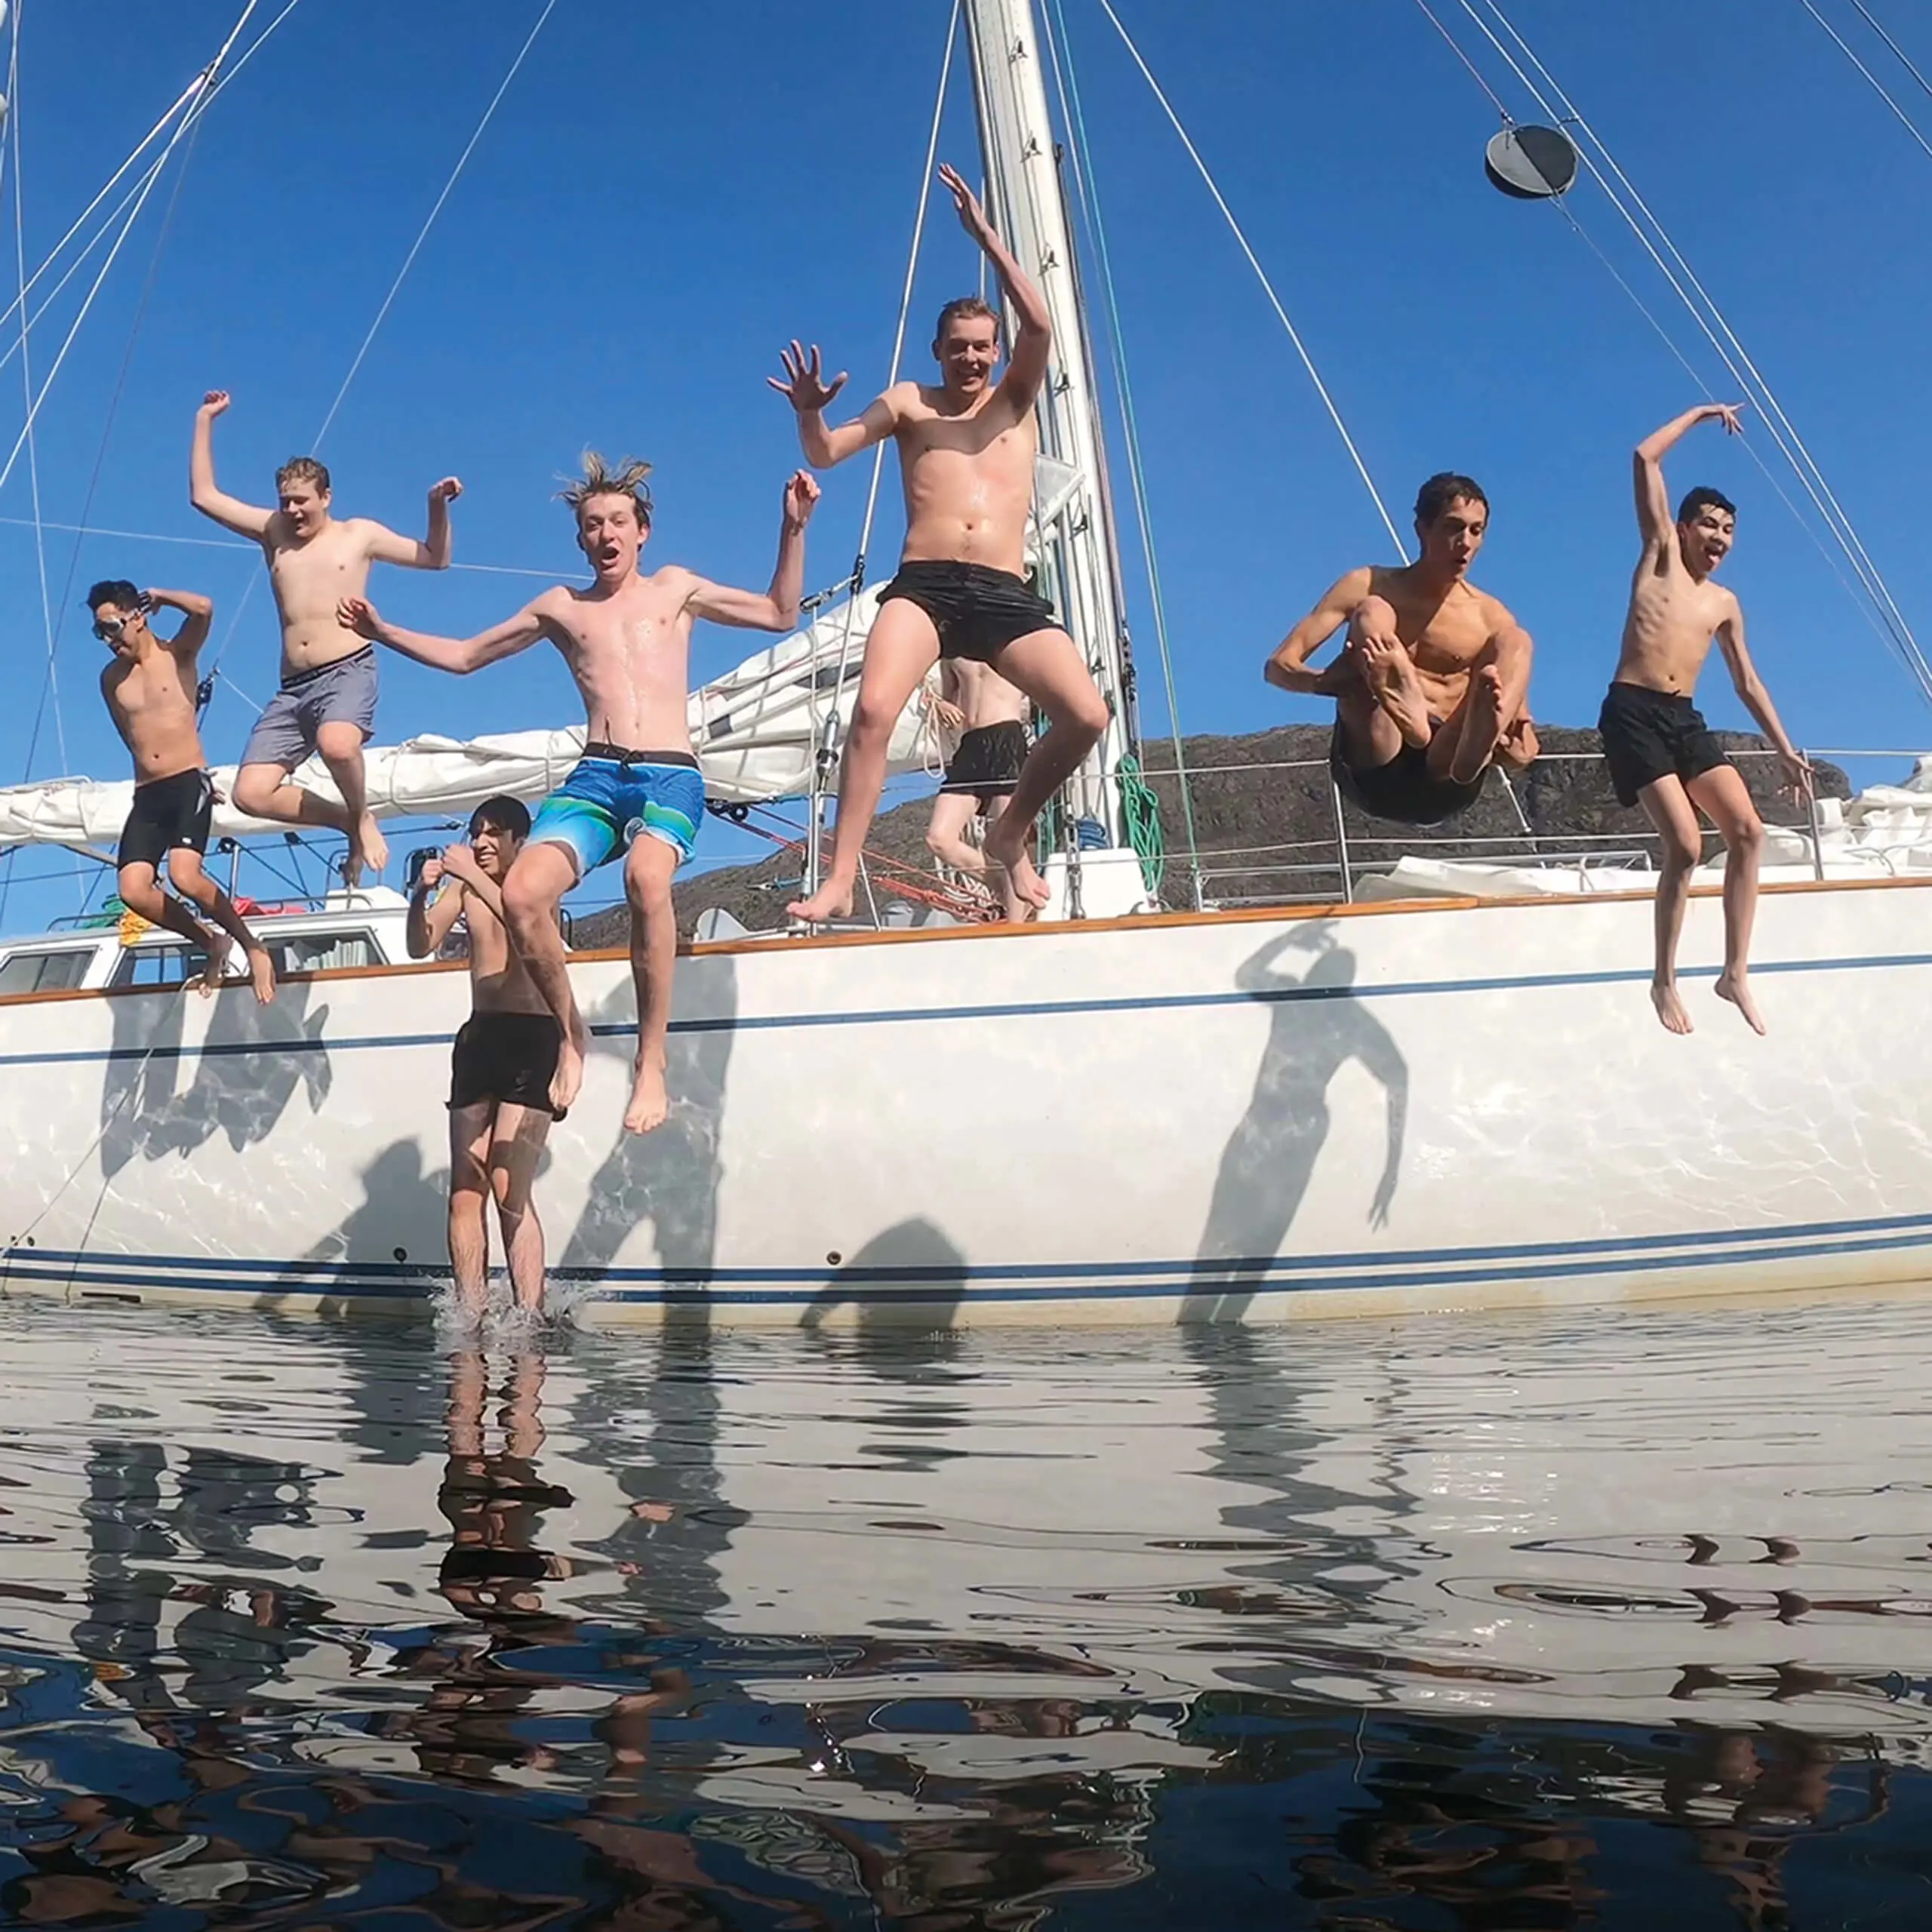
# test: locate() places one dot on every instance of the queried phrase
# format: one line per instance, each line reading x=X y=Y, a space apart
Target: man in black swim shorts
x=1660 y=755
x=966 y=451
x=987 y=713
x=1433 y=685
x=501 y=1066
x=150 y=687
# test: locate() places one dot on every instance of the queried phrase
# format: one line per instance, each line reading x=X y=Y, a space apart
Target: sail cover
x=755 y=731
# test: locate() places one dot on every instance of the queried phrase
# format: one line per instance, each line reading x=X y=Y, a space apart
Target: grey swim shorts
x=344 y=691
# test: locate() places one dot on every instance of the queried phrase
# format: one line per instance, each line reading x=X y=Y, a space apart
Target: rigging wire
x=822 y=764
x=188 y=94
x=1735 y=358
x=1904 y=59
x=1261 y=275
x=394 y=289
x=1080 y=152
x=49 y=681
x=1878 y=86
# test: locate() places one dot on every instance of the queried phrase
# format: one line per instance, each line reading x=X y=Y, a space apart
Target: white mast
x=1081 y=571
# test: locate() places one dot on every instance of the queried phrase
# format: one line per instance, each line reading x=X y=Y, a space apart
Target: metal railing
x=1317 y=870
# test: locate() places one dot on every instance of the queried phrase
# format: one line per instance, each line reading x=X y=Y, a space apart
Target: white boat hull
x=1424 y=1106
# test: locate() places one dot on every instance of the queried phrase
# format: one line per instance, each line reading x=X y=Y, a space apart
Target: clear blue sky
x=667 y=193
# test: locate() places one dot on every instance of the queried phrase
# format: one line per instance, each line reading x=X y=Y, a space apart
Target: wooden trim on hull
x=1246 y=915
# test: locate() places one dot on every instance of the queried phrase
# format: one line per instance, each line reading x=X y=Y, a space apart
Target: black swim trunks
x=168 y=815
x=976 y=611
x=1648 y=735
x=987 y=763
x=503 y=1056
x=1405 y=790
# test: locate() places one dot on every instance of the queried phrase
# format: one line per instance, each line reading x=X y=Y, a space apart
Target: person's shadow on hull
x=1316 y=1027
x=249 y=1068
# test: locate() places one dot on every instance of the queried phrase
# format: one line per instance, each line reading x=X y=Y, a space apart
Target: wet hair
x=965 y=307
x=601 y=479
x=114 y=590
x=1444 y=488
x=302 y=469
x=1705 y=496
x=504 y=813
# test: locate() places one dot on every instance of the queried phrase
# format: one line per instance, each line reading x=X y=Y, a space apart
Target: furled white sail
x=756 y=730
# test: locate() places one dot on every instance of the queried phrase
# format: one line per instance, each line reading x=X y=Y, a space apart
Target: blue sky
x=668 y=193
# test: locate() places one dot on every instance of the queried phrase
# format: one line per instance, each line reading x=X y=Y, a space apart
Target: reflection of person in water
x=492 y=1573
x=1270 y=1158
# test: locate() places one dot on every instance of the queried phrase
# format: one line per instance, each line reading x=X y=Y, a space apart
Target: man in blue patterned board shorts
x=637 y=789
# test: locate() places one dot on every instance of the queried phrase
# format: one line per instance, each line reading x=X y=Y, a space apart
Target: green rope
x=1142 y=810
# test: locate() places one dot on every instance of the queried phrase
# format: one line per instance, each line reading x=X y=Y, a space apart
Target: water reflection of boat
x=907 y=1622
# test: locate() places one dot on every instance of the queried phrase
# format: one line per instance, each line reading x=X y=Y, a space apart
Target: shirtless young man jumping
x=501 y=1067
x=1659 y=754
x=149 y=688
x=327 y=703
x=627 y=640
x=966 y=451
x=990 y=716
x=1433 y=685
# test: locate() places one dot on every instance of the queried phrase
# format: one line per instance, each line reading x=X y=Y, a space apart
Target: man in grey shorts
x=327 y=703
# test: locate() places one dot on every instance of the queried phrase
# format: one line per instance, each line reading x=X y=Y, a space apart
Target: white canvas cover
x=754 y=730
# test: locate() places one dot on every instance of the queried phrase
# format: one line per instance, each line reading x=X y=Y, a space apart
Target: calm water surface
x=1606 y=1620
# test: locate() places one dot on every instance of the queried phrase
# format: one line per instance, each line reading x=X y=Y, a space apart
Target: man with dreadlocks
x=637 y=788
x=327 y=703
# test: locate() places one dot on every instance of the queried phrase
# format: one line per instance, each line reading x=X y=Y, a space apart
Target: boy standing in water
x=149 y=688
x=327 y=703
x=1659 y=753
x=501 y=1068
x=637 y=789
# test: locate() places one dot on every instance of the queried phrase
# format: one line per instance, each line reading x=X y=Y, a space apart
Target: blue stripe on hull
x=1039 y=1009
x=1083 y=1282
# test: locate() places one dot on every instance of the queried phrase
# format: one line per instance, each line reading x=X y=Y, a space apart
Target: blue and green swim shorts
x=613 y=795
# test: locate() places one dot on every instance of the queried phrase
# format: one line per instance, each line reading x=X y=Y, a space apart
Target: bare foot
x=651 y=1105
x=568 y=1078
x=1012 y=872
x=1670 y=1008
x=833 y=900
x=1482 y=725
x=1734 y=985
x=218 y=949
x=261 y=970
x=1391 y=675
x=369 y=842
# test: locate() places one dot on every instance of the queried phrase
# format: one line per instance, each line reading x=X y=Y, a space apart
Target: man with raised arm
x=1433 y=685
x=627 y=642
x=966 y=450
x=149 y=687
x=501 y=1066
x=327 y=703
x=989 y=714
x=1660 y=755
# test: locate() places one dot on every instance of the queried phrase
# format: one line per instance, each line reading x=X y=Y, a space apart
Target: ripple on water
x=1390 y=1624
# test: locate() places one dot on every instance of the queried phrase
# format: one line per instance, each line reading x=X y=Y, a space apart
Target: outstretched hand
x=803 y=386
x=1728 y=414
x=214 y=403
x=446 y=489
x=359 y=615
x=972 y=217
x=801 y=496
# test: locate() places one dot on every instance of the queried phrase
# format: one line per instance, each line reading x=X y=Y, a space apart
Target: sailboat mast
x=1078 y=554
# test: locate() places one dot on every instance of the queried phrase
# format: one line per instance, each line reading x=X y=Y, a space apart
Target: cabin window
x=322 y=952
x=45 y=972
x=159 y=966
